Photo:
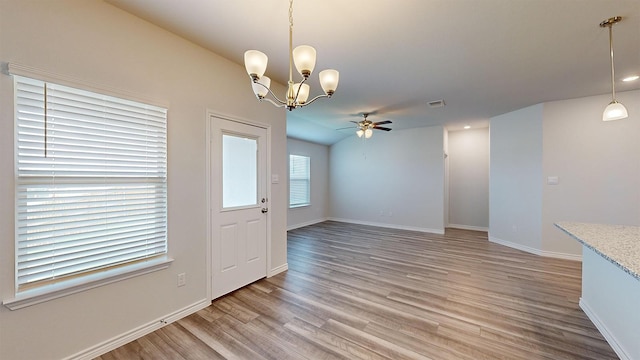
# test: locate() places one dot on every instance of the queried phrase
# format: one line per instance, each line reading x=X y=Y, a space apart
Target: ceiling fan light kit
x=615 y=110
x=304 y=58
x=366 y=126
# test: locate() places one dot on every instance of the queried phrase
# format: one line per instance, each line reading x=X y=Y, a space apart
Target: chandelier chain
x=291 y=14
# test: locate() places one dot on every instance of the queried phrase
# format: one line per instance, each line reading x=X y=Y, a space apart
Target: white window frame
x=90 y=278
x=303 y=175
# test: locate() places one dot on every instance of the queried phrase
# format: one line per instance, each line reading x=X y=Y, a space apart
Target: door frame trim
x=210 y=118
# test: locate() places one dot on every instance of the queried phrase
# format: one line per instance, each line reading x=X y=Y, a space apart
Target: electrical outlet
x=182 y=279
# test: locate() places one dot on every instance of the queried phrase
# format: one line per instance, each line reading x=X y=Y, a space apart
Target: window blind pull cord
x=45 y=118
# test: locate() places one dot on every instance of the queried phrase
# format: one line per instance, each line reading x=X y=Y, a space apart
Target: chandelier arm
x=295 y=99
x=273 y=102
x=283 y=103
x=315 y=98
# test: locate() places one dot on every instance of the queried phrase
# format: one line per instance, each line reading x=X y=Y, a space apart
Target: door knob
x=265 y=210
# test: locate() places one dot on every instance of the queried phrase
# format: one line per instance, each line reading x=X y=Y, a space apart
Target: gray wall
x=95 y=43
x=318 y=210
x=469 y=179
x=515 y=189
x=393 y=179
x=597 y=164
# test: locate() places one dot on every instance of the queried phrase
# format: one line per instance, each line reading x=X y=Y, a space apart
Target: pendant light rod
x=609 y=23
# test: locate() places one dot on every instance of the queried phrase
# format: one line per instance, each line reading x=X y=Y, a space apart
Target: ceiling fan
x=365 y=127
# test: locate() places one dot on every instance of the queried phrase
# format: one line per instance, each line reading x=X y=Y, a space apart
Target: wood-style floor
x=361 y=292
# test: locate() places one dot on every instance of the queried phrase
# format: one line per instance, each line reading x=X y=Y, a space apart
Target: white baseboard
x=535 y=251
x=390 y=226
x=468 y=227
x=278 y=269
x=139 y=332
x=604 y=330
x=307 y=223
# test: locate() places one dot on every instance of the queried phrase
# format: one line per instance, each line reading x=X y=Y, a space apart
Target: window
x=91 y=183
x=299 y=180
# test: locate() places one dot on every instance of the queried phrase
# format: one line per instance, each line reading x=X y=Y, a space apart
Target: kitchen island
x=611 y=282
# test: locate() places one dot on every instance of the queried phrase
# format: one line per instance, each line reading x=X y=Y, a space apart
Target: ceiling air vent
x=436 y=104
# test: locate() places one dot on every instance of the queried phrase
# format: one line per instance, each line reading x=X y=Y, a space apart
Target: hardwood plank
x=363 y=292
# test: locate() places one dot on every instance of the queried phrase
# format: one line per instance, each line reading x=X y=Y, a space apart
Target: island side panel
x=611 y=299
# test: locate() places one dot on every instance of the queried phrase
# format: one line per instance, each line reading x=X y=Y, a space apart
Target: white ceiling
x=484 y=58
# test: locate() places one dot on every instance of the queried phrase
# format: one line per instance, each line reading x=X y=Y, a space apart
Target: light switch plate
x=552 y=180
x=275 y=179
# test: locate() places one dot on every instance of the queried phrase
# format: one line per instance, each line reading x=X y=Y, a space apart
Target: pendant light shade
x=615 y=110
x=255 y=62
x=304 y=56
x=261 y=87
x=329 y=81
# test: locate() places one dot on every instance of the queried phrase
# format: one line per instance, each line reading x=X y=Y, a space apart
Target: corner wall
x=469 y=179
x=393 y=179
x=318 y=210
x=515 y=189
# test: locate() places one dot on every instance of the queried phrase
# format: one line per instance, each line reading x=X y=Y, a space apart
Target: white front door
x=239 y=205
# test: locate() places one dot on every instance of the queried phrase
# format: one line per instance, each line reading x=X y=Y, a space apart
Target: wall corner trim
x=278 y=269
x=390 y=226
x=307 y=223
x=535 y=251
x=468 y=227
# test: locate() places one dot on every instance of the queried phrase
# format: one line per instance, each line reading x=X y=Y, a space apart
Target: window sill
x=299 y=206
x=73 y=286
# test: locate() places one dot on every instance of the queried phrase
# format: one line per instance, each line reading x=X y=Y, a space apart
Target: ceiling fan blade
x=381 y=128
x=355 y=122
x=348 y=127
x=383 y=122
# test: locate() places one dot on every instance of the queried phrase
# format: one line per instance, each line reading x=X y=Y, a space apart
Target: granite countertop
x=620 y=244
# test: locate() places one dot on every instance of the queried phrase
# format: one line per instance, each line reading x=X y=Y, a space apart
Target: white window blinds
x=91 y=188
x=299 y=180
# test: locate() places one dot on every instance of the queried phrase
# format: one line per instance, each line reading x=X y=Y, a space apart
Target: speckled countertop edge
x=619 y=244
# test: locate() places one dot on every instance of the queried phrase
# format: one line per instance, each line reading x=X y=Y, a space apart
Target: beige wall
x=94 y=43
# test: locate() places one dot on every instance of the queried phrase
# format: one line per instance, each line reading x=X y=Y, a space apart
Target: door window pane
x=239 y=171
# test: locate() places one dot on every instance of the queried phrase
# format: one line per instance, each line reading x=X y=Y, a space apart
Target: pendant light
x=615 y=110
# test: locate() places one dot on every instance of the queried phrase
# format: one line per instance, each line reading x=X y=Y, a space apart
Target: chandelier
x=615 y=110
x=304 y=58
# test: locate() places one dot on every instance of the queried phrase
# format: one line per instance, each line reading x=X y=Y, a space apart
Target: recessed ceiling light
x=467 y=127
x=631 y=78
